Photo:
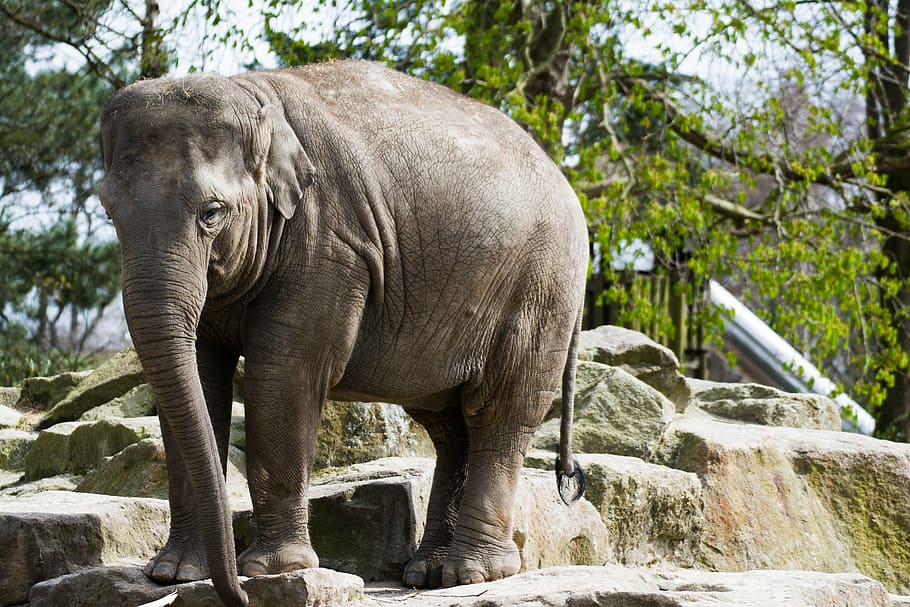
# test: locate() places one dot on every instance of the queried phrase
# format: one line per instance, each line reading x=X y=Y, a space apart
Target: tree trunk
x=154 y=60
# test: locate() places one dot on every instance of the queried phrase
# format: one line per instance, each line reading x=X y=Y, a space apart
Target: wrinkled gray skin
x=355 y=234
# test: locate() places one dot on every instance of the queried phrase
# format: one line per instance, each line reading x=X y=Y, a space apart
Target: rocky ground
x=699 y=494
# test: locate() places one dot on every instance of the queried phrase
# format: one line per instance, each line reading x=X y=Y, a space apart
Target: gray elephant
x=356 y=234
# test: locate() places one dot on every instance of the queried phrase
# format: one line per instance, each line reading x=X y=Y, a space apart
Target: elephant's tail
x=568 y=471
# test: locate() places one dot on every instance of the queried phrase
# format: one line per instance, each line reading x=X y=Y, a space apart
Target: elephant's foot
x=256 y=560
x=181 y=560
x=425 y=569
x=485 y=562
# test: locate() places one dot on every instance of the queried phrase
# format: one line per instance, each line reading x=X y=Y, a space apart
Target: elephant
x=355 y=234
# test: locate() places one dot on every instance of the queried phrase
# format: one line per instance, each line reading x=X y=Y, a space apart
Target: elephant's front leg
x=283 y=409
x=183 y=557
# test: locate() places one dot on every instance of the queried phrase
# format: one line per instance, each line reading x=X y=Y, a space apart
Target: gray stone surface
x=138 y=402
x=77 y=447
x=652 y=514
x=14 y=445
x=114 y=378
x=9 y=417
x=757 y=404
x=788 y=498
x=638 y=355
x=44 y=392
x=614 y=413
x=616 y=586
x=140 y=470
x=54 y=533
x=126 y=586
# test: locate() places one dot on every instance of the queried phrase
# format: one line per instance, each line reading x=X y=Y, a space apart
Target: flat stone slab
x=616 y=586
x=757 y=404
x=127 y=586
x=53 y=533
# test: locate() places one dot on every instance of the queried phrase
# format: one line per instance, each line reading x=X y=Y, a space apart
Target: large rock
x=757 y=404
x=140 y=470
x=352 y=433
x=138 y=402
x=43 y=393
x=114 y=378
x=125 y=586
x=615 y=586
x=638 y=355
x=653 y=514
x=786 y=498
x=14 y=445
x=549 y=533
x=55 y=533
x=614 y=413
x=76 y=447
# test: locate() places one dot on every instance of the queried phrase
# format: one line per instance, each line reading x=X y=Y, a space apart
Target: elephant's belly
x=436 y=401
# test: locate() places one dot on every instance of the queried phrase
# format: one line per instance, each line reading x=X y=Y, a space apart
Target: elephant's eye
x=211 y=215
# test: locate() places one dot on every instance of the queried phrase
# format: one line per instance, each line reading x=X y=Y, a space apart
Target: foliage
x=777 y=166
x=59 y=265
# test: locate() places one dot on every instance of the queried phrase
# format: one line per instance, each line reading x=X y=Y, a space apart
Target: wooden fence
x=671 y=295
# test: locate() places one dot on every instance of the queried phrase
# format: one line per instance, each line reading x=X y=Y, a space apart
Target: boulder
x=140 y=470
x=787 y=498
x=14 y=445
x=614 y=413
x=42 y=393
x=638 y=355
x=114 y=378
x=653 y=514
x=9 y=396
x=549 y=533
x=55 y=533
x=138 y=402
x=126 y=586
x=76 y=447
x=368 y=519
x=615 y=586
x=353 y=432
x=9 y=417
x=757 y=404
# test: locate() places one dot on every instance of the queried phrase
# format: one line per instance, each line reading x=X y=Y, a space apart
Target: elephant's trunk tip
x=231 y=593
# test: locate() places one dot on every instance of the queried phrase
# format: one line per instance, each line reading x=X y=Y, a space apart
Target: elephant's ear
x=280 y=161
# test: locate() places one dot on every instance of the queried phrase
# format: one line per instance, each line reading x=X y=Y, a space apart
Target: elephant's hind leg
x=447 y=430
x=502 y=411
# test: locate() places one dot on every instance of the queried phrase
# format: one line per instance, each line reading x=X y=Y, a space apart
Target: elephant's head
x=197 y=172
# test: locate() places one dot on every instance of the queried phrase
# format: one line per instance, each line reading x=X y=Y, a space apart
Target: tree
x=787 y=178
x=57 y=258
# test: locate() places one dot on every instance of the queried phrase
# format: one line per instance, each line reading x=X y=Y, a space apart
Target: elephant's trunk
x=163 y=312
